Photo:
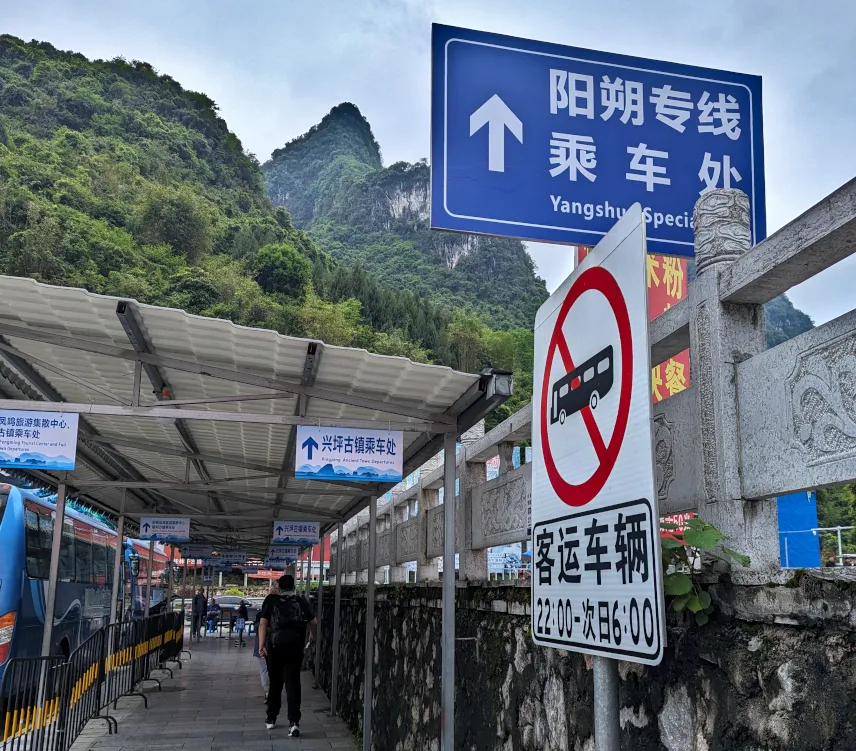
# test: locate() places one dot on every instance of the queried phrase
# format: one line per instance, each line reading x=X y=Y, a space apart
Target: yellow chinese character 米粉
x=653 y=265
x=656 y=382
x=673 y=277
x=676 y=381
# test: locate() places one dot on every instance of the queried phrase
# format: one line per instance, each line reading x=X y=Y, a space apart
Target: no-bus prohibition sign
x=595 y=526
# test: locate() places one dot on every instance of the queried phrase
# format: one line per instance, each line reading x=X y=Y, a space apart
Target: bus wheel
x=593 y=400
x=562 y=417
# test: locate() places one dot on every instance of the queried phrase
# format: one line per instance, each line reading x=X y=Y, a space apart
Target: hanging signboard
x=349 y=454
x=287 y=553
x=595 y=526
x=296 y=533
x=233 y=557
x=215 y=562
x=38 y=440
x=165 y=528
x=196 y=550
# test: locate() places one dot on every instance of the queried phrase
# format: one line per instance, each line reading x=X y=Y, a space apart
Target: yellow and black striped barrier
x=46 y=701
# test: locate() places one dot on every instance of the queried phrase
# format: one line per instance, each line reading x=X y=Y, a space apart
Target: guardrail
x=45 y=702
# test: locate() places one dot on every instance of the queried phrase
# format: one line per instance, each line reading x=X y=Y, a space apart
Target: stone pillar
x=721 y=336
x=398 y=514
x=472 y=564
x=506 y=457
x=426 y=568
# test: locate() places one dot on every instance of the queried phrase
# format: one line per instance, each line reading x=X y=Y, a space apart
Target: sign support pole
x=319 y=614
x=337 y=629
x=59 y=520
x=607 y=729
x=368 y=688
x=117 y=559
x=149 y=576
x=447 y=705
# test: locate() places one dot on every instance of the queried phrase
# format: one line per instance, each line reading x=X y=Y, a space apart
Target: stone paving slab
x=215 y=703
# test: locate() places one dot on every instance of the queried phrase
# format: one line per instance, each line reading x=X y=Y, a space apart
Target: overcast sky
x=275 y=67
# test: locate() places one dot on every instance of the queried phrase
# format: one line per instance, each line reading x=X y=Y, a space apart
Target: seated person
x=213 y=612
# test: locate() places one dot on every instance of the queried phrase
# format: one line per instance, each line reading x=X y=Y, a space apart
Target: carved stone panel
x=364 y=554
x=501 y=509
x=407 y=540
x=384 y=549
x=821 y=396
x=436 y=531
x=663 y=457
x=353 y=557
x=797 y=411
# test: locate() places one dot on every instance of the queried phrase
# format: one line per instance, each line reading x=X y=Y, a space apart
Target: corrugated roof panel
x=253 y=353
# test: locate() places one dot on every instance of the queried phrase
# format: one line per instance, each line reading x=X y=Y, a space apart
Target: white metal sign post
x=596 y=574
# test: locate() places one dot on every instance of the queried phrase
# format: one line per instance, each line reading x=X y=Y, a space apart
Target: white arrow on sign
x=497 y=116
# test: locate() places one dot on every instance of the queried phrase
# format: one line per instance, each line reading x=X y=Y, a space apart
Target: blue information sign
x=552 y=143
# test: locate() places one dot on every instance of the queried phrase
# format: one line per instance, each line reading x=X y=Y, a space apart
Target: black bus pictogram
x=584 y=386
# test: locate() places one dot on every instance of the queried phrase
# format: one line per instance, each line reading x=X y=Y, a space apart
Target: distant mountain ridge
x=333 y=183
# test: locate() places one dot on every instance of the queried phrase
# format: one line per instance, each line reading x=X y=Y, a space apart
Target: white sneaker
x=294 y=731
x=270 y=725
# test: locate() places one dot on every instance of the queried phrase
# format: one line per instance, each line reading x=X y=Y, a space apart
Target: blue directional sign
x=552 y=143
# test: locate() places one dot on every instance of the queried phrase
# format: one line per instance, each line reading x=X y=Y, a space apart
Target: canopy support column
x=368 y=688
x=337 y=611
x=149 y=577
x=447 y=704
x=319 y=613
x=169 y=580
x=53 y=576
x=117 y=560
x=309 y=575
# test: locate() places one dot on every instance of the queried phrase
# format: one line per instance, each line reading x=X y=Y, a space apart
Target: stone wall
x=775 y=669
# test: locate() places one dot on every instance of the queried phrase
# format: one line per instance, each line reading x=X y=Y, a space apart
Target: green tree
x=333 y=323
x=281 y=269
x=466 y=341
x=178 y=217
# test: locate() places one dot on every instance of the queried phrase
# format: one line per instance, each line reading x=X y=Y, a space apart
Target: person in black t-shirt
x=282 y=638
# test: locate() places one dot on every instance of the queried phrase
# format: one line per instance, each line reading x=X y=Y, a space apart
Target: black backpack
x=286 y=621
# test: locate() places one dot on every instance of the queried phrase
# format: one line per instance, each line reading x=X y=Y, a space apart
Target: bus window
x=4 y=495
x=563 y=390
x=66 y=552
x=99 y=562
x=575 y=384
x=603 y=366
x=588 y=375
x=111 y=559
x=38 y=562
x=83 y=565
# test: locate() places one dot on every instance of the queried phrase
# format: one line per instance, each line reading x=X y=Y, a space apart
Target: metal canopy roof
x=196 y=416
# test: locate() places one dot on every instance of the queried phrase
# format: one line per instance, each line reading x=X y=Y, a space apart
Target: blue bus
x=86 y=571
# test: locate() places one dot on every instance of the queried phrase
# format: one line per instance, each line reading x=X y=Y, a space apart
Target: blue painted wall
x=798 y=547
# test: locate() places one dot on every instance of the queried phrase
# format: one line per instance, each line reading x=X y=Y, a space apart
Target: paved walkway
x=215 y=703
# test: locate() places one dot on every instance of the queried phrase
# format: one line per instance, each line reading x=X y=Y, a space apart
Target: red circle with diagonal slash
x=599 y=280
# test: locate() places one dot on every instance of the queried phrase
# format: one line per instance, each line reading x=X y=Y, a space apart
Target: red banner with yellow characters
x=667 y=285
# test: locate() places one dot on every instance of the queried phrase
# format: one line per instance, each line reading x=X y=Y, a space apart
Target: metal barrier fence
x=45 y=702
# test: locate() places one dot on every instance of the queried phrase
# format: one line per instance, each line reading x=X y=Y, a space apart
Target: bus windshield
x=4 y=497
